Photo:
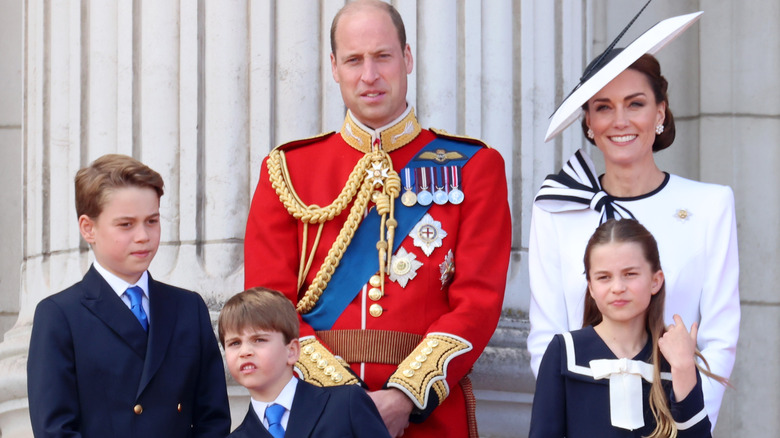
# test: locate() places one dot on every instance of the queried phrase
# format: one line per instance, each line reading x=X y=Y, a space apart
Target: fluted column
x=739 y=128
x=130 y=77
x=51 y=253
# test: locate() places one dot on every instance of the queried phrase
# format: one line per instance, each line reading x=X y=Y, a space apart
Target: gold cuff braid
x=425 y=369
x=320 y=367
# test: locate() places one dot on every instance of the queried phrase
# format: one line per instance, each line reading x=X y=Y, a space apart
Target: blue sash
x=361 y=260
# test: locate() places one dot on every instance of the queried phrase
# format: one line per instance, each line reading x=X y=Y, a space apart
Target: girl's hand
x=679 y=347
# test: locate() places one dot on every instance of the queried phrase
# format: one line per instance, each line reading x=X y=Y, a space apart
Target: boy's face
x=125 y=236
x=260 y=361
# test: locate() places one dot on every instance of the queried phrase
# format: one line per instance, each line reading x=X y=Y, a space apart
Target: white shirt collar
x=285 y=398
x=120 y=286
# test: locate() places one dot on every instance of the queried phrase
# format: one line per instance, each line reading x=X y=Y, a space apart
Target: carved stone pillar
x=133 y=78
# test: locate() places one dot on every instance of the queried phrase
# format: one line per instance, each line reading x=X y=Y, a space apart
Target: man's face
x=370 y=66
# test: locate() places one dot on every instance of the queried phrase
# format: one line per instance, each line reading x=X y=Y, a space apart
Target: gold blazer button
x=375 y=310
x=375 y=294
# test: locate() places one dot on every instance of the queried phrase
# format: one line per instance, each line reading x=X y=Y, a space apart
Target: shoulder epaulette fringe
x=463 y=138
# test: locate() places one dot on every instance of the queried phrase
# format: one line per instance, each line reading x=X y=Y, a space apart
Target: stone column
x=739 y=130
x=548 y=50
x=134 y=78
x=51 y=254
x=10 y=165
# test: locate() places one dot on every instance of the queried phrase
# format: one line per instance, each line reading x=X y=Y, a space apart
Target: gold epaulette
x=425 y=370
x=320 y=367
x=303 y=142
x=463 y=138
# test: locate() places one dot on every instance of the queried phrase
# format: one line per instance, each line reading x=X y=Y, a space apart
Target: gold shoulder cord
x=373 y=171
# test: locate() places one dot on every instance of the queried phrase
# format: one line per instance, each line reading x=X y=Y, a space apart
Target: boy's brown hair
x=259 y=308
x=112 y=171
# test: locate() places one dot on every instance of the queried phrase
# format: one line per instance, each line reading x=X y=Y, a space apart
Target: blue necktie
x=274 y=414
x=135 y=293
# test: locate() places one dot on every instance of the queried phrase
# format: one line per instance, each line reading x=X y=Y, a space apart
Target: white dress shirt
x=285 y=398
x=120 y=286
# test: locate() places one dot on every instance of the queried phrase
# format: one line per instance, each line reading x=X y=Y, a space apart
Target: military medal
x=409 y=198
x=377 y=174
x=428 y=234
x=403 y=267
x=447 y=269
x=424 y=197
x=440 y=196
x=456 y=195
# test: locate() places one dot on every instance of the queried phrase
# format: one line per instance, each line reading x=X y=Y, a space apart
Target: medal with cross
x=428 y=234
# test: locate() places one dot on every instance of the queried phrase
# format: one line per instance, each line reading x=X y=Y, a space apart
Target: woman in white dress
x=627 y=116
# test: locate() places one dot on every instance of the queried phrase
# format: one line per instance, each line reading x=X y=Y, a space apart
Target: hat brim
x=653 y=40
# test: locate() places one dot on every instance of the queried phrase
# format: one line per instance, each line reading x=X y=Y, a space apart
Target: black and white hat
x=614 y=61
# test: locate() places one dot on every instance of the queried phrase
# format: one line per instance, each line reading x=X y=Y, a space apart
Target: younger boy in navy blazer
x=119 y=354
x=259 y=330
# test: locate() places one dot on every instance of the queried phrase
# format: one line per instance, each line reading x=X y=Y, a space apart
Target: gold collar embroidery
x=392 y=138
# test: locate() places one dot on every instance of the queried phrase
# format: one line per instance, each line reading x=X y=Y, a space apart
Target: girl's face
x=623 y=116
x=622 y=281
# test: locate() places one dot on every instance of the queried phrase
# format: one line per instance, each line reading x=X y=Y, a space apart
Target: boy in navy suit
x=119 y=354
x=259 y=330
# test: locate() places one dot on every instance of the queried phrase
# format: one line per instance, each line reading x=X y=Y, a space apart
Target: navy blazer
x=338 y=411
x=93 y=372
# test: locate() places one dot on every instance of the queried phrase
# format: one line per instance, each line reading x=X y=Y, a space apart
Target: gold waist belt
x=371 y=346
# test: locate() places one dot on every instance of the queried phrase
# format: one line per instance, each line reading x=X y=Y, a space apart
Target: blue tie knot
x=273 y=414
x=135 y=294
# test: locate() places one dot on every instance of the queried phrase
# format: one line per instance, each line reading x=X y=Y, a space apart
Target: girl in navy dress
x=624 y=374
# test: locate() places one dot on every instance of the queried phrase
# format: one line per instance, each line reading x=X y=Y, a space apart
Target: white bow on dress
x=625 y=389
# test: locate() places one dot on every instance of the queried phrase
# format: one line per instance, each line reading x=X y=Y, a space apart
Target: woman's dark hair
x=649 y=66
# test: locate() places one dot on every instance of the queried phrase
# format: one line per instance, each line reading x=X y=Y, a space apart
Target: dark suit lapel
x=162 y=320
x=105 y=304
x=252 y=427
x=306 y=410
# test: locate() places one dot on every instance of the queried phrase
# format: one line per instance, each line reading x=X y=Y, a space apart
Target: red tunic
x=468 y=308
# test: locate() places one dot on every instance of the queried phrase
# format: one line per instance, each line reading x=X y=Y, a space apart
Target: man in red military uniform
x=393 y=241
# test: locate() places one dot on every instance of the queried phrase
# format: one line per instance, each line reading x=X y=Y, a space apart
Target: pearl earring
x=659 y=129
x=591 y=135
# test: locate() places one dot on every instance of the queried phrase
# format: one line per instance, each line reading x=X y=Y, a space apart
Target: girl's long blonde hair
x=631 y=231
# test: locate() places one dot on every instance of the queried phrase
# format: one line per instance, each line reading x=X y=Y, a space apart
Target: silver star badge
x=428 y=234
x=403 y=267
x=377 y=172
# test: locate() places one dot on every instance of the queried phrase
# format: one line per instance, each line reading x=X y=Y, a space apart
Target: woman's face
x=623 y=116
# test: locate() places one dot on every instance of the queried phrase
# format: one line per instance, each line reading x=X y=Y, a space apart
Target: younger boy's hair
x=110 y=172
x=259 y=308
